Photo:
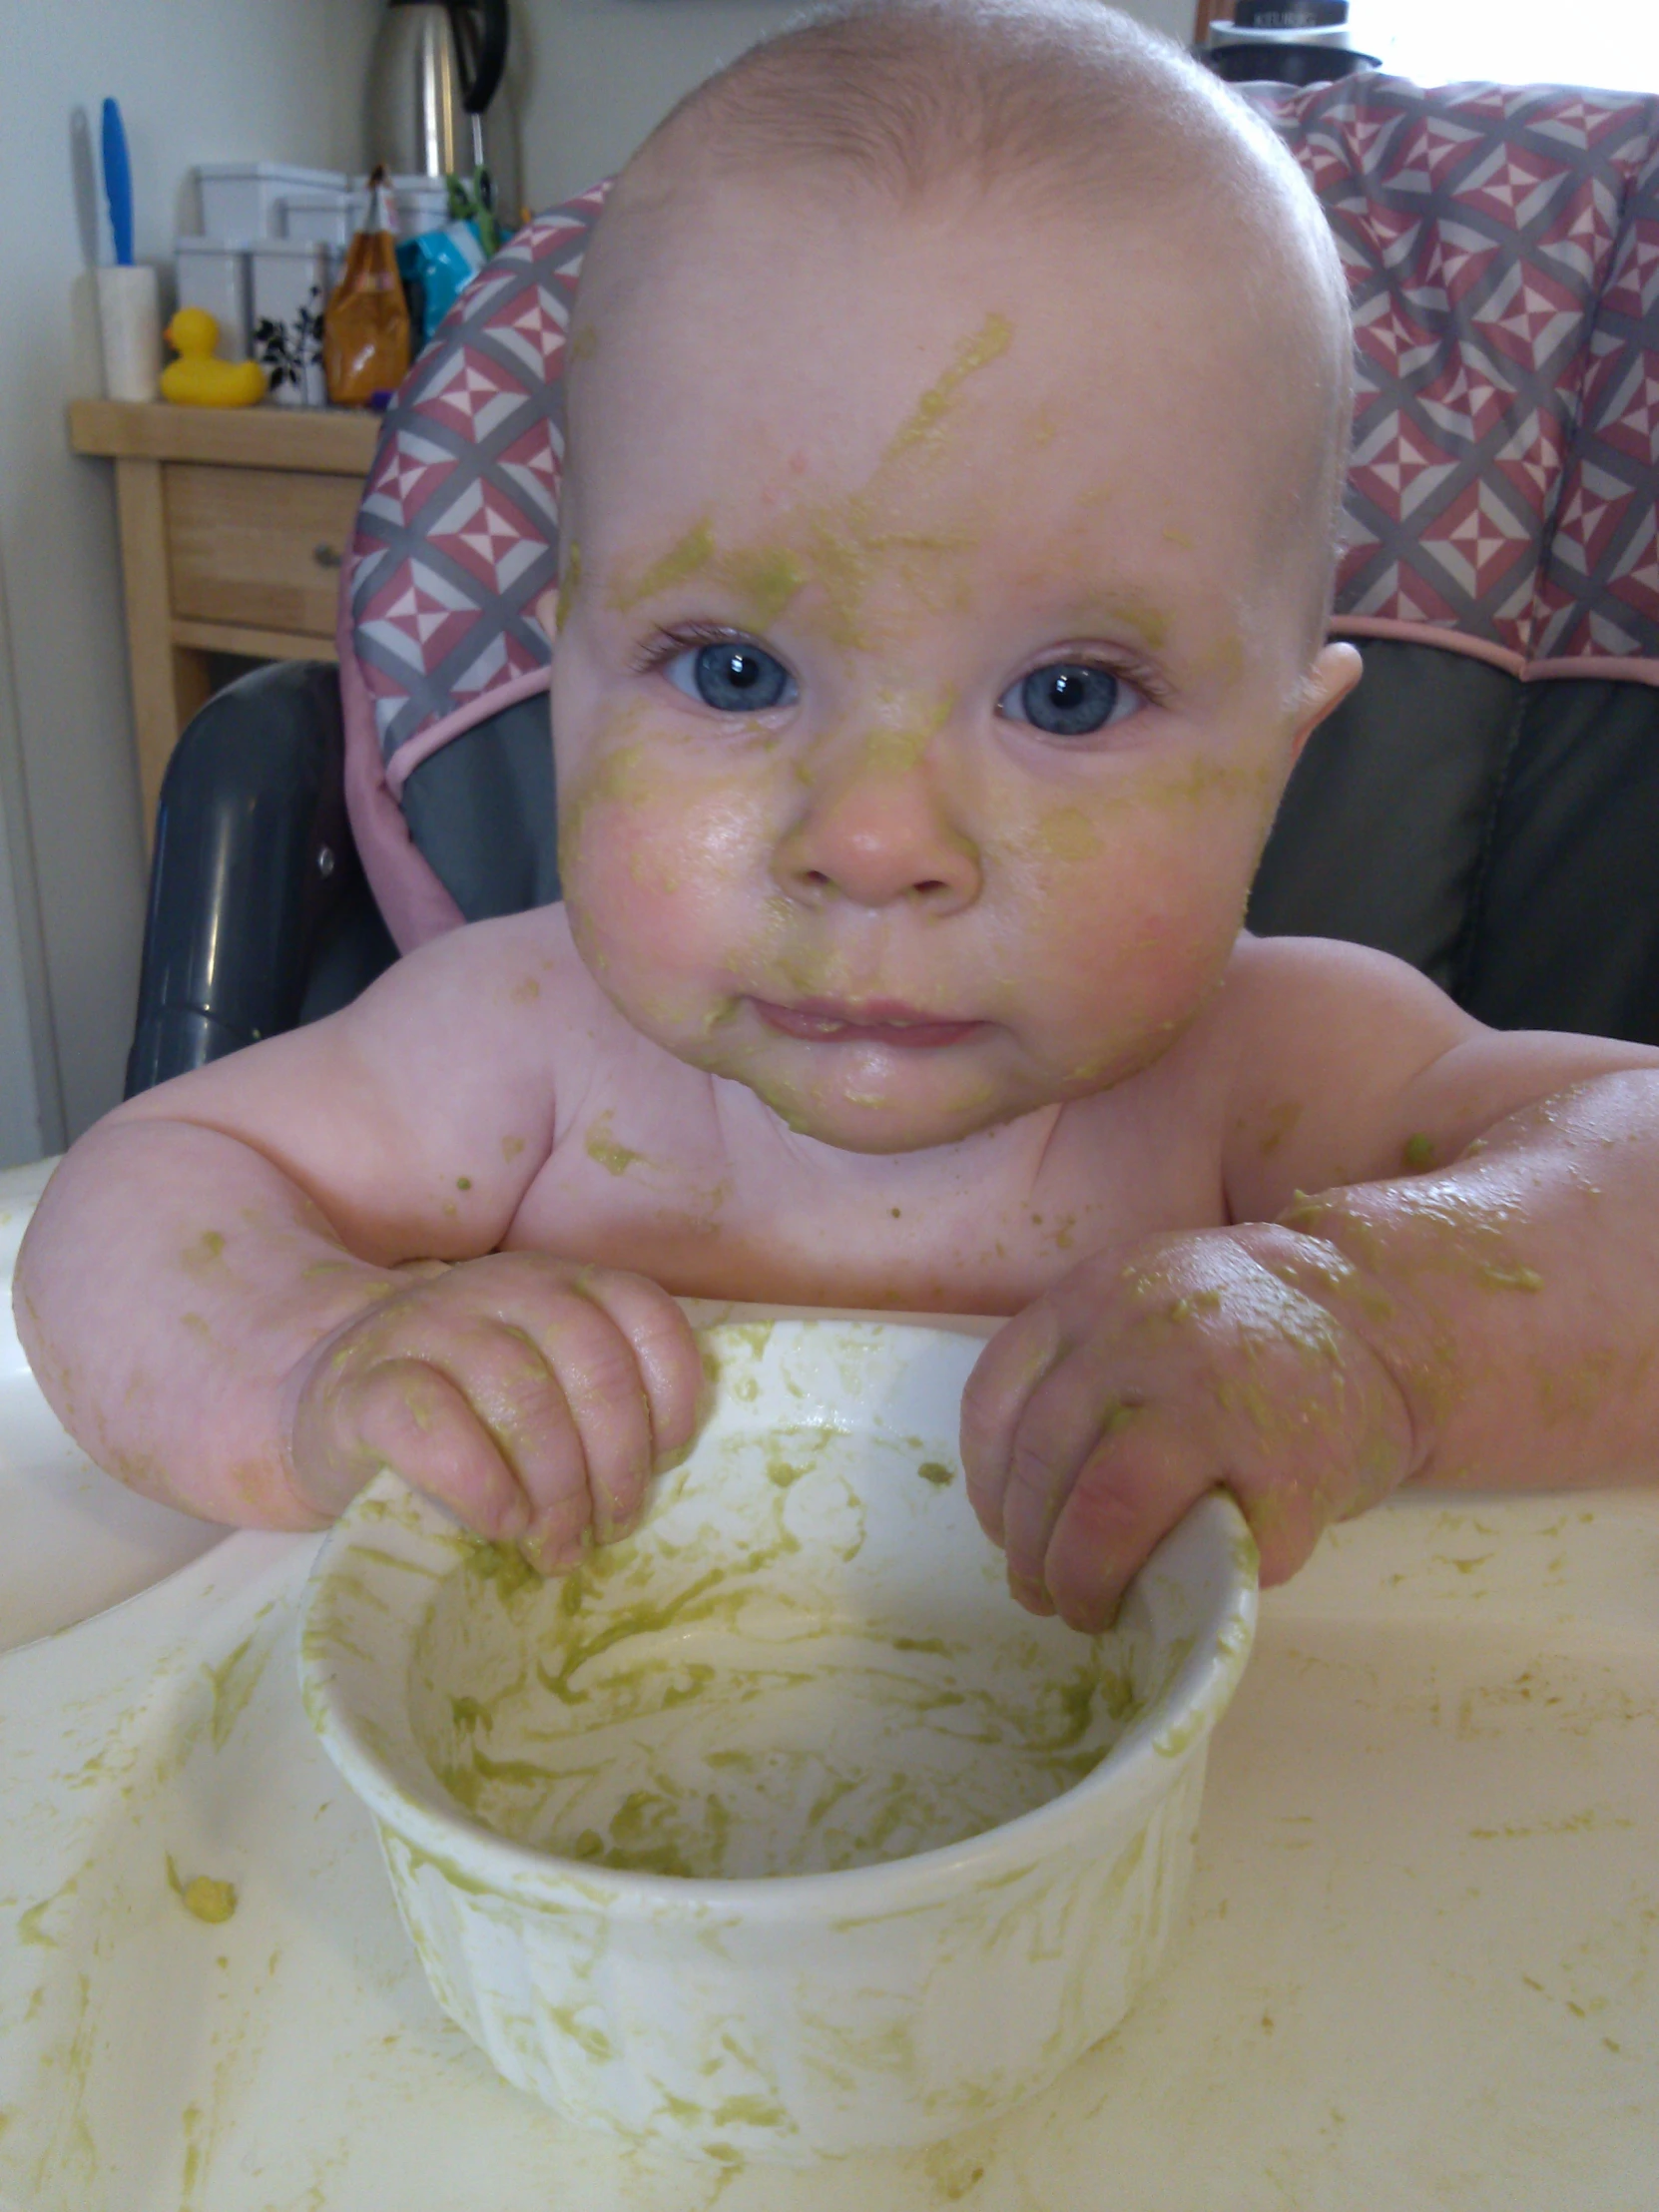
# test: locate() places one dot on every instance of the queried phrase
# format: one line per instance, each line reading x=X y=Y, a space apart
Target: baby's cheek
x=659 y=883
x=1131 y=907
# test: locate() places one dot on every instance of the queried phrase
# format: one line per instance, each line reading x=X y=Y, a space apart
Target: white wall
x=595 y=75
x=197 y=80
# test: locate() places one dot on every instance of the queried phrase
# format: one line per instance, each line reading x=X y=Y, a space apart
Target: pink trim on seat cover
x=432 y=738
x=414 y=904
x=1616 y=668
x=1428 y=633
x=1589 y=664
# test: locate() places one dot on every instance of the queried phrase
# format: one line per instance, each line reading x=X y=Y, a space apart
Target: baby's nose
x=876 y=839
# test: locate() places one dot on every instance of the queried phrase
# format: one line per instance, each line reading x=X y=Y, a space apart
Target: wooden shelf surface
x=329 y=441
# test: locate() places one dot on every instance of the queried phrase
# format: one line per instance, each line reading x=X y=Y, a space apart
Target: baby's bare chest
x=705 y=1193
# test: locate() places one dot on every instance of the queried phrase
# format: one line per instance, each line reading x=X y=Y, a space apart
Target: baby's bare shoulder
x=428 y=1102
x=1346 y=1065
x=1321 y=1043
x=1322 y=996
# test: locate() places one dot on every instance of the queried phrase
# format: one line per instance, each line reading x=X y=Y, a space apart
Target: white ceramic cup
x=129 y=327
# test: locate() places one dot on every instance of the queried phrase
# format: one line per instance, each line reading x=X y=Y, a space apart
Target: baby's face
x=931 y=655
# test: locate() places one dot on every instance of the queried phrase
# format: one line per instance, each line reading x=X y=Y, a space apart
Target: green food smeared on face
x=1418 y=1153
x=1069 y=834
x=1499 y=1278
x=678 y=565
x=570 y=580
x=994 y=338
x=762 y=583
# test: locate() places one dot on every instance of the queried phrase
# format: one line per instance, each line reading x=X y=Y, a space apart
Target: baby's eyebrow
x=1144 y=617
x=761 y=580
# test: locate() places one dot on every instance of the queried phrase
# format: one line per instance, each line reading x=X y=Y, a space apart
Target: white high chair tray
x=1418 y=1970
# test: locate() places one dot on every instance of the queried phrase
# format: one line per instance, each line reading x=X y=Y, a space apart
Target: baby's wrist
x=295 y=1437
x=1334 y=1265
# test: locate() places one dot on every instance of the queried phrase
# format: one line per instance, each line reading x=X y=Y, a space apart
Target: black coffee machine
x=1286 y=42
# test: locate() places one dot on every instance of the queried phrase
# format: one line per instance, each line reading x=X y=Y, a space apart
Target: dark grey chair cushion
x=480 y=808
x=1501 y=837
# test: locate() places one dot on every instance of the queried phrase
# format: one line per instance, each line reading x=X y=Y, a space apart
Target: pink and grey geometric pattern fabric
x=457 y=535
x=1599 y=593
x=457 y=538
x=1501 y=245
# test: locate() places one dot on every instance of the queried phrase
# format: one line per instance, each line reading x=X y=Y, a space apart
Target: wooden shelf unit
x=234 y=528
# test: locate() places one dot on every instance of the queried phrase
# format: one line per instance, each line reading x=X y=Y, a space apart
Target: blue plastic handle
x=117 y=185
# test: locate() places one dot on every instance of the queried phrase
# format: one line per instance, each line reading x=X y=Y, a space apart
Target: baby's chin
x=874 y=1101
x=832 y=1095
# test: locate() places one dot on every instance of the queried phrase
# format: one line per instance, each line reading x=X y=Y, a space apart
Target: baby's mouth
x=878 y=1021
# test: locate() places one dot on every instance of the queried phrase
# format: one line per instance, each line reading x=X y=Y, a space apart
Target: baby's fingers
x=600 y=1382
x=994 y=1402
x=1130 y=1491
x=1067 y=1416
x=660 y=1336
x=409 y=1417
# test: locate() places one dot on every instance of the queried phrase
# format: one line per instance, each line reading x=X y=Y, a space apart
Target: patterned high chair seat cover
x=1502 y=251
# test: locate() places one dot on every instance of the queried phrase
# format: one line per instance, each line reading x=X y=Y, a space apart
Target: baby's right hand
x=530 y=1396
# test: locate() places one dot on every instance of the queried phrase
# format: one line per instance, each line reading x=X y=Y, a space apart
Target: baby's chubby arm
x=1443 y=1270
x=248 y=1290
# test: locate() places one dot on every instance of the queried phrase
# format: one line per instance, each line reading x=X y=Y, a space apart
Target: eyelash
x=661 y=646
x=1136 y=674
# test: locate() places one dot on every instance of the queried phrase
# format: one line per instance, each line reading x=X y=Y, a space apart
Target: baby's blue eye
x=1068 y=699
x=733 y=679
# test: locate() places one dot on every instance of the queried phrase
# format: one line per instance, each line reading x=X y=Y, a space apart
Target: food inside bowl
x=761 y=1682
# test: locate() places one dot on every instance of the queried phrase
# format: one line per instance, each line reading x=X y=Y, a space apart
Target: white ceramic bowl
x=778 y=1832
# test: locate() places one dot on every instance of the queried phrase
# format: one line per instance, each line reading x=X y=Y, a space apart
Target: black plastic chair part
x=1502 y=837
x=480 y=810
x=260 y=917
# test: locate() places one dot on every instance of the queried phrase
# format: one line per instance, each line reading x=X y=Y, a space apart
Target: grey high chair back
x=1486 y=805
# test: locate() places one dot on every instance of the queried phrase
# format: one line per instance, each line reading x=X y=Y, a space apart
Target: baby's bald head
x=1045 y=113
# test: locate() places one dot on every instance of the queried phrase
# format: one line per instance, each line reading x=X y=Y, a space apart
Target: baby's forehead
x=759 y=332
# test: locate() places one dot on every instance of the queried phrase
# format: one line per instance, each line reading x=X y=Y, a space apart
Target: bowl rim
x=457 y=1842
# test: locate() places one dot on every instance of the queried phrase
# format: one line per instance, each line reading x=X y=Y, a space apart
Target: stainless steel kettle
x=437 y=100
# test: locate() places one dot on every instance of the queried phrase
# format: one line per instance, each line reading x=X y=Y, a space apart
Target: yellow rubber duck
x=195 y=379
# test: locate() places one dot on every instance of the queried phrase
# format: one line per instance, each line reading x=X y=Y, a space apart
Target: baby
x=957 y=417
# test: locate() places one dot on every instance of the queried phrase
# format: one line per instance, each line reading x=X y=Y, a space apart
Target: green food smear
x=211 y=1901
x=503 y=1564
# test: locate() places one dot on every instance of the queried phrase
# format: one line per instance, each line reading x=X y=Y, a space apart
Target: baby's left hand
x=1097 y=1416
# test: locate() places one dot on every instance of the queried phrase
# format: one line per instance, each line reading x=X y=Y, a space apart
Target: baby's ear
x=1331 y=675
